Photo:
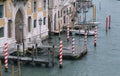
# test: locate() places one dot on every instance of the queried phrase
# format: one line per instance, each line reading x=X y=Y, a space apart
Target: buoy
x=73 y=45
x=95 y=36
x=6 y=56
x=60 y=56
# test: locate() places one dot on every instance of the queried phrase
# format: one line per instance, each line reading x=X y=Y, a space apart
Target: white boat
x=95 y=23
x=82 y=32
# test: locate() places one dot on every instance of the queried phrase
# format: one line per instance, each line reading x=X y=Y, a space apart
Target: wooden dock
x=27 y=59
x=79 y=53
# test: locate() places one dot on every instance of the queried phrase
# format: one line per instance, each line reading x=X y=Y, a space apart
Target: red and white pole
x=68 y=30
x=106 y=24
x=109 y=21
x=85 y=39
x=73 y=45
x=95 y=36
x=6 y=56
x=60 y=56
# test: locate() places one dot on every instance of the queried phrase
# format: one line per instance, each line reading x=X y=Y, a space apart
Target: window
x=1 y=31
x=67 y=11
x=64 y=12
x=35 y=6
x=44 y=20
x=9 y=29
x=29 y=24
x=64 y=19
x=70 y=10
x=35 y=23
x=1 y=11
x=44 y=4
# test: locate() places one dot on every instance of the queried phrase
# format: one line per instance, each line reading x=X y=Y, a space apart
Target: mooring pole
x=13 y=70
x=95 y=36
x=0 y=68
x=53 y=57
x=18 y=52
x=48 y=56
x=68 y=30
x=36 y=50
x=32 y=55
x=60 y=56
x=85 y=39
x=6 y=56
x=106 y=24
x=59 y=31
x=19 y=69
x=73 y=45
x=109 y=21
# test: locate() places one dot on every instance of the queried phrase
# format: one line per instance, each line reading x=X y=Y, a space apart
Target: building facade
x=23 y=20
x=59 y=10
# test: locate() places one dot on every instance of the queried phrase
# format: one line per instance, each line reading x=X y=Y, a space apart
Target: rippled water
x=104 y=60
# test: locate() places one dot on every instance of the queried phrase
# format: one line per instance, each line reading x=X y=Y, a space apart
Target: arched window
x=9 y=28
x=29 y=24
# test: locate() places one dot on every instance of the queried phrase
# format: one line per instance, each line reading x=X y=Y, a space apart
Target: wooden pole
x=48 y=57
x=59 y=31
x=13 y=70
x=94 y=13
x=36 y=50
x=53 y=56
x=19 y=69
x=0 y=68
x=106 y=24
x=109 y=21
x=18 y=52
x=32 y=55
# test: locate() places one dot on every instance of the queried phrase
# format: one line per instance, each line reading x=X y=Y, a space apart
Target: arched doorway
x=19 y=26
x=55 y=22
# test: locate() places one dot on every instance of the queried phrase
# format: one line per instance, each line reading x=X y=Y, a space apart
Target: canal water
x=104 y=60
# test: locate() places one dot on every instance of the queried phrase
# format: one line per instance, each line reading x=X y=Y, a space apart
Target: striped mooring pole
x=109 y=21
x=68 y=30
x=85 y=39
x=106 y=24
x=95 y=36
x=6 y=56
x=60 y=56
x=73 y=45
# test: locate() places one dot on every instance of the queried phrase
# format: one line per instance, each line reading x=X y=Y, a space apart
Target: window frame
x=44 y=20
x=2 y=33
x=35 y=23
x=35 y=6
x=3 y=10
x=29 y=23
x=45 y=4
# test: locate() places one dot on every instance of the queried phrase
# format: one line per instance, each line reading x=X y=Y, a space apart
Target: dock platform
x=79 y=53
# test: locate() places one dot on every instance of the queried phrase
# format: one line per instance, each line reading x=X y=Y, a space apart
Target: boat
x=94 y=23
x=82 y=32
